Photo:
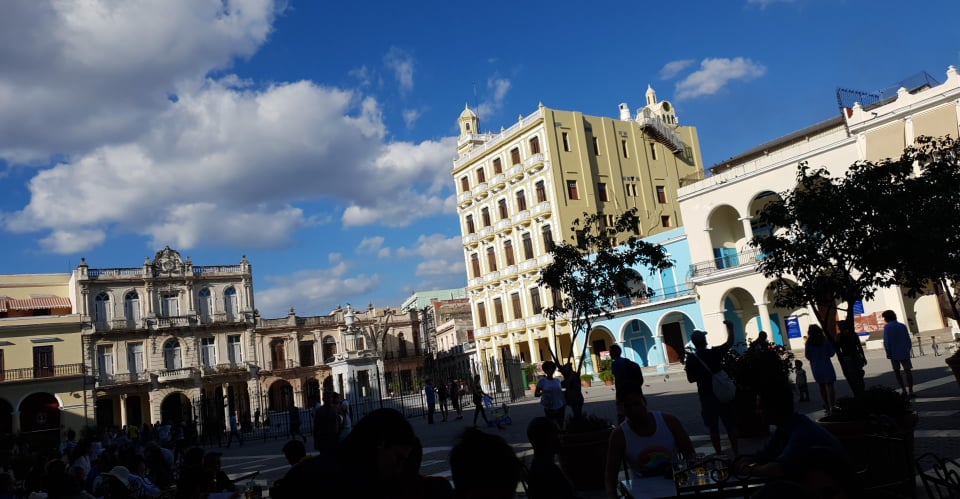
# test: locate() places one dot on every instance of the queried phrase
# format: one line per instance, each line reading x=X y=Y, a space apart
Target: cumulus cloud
x=498 y=89
x=76 y=75
x=371 y=245
x=223 y=156
x=313 y=291
x=442 y=255
x=673 y=68
x=401 y=63
x=714 y=74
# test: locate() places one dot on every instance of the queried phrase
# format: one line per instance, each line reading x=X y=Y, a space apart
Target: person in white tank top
x=648 y=440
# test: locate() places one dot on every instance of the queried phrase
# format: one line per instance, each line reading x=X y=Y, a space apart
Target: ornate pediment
x=167 y=261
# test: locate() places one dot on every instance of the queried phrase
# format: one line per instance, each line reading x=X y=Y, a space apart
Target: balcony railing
x=182 y=373
x=225 y=368
x=126 y=273
x=217 y=269
x=181 y=321
x=104 y=379
x=542 y=208
x=464 y=196
x=729 y=261
x=25 y=373
x=515 y=171
x=212 y=318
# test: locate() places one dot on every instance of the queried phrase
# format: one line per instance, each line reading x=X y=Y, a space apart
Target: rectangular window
x=596 y=146
x=497 y=166
x=464 y=184
x=498 y=310
x=208 y=352
x=475 y=265
x=566 y=140
x=547 y=239
x=233 y=349
x=502 y=206
x=169 y=306
x=306 y=354
x=470 y=227
x=515 y=156
x=623 y=145
x=535 y=300
x=572 y=192
x=541 y=192
x=535 y=146
x=661 y=195
x=485 y=216
x=481 y=176
x=491 y=259
x=508 y=252
x=135 y=360
x=482 y=314
x=521 y=201
x=527 y=246
x=515 y=305
x=653 y=150
x=105 y=362
x=665 y=221
x=602 y=192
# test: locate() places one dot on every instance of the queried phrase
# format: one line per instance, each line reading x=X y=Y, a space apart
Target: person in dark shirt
x=712 y=410
x=545 y=480
x=624 y=371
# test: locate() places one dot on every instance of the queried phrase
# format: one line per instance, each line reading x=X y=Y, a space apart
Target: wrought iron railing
x=25 y=373
x=732 y=260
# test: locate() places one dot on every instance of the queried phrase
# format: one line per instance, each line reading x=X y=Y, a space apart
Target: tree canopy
x=593 y=270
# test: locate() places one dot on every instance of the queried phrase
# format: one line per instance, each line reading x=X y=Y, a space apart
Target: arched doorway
x=599 y=341
x=175 y=408
x=40 y=419
x=280 y=396
x=639 y=343
x=6 y=417
x=312 y=391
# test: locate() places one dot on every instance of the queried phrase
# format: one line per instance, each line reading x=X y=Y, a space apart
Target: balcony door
x=208 y=352
x=277 y=356
x=206 y=306
x=230 y=304
x=105 y=362
x=170 y=306
x=43 y=361
x=131 y=309
x=135 y=360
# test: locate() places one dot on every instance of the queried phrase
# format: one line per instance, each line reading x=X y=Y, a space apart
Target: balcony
x=534 y=320
x=515 y=324
x=491 y=276
x=28 y=373
x=107 y=274
x=542 y=210
x=546 y=259
x=213 y=318
x=480 y=190
x=168 y=322
x=509 y=270
x=743 y=259
x=515 y=173
x=217 y=270
x=498 y=182
x=168 y=375
x=481 y=331
x=465 y=199
x=527 y=265
x=502 y=225
x=226 y=368
x=522 y=218
x=534 y=163
x=498 y=328
x=470 y=239
x=105 y=380
x=486 y=233
x=476 y=281
x=662 y=133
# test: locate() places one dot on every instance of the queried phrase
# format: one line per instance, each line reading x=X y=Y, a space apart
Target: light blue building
x=653 y=331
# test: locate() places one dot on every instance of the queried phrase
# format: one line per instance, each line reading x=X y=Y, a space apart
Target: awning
x=40 y=302
x=3 y=303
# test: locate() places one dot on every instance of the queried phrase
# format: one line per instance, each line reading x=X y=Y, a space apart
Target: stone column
x=765 y=320
x=532 y=344
x=747 y=228
x=123 y=410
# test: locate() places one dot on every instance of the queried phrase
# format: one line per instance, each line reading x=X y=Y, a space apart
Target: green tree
x=589 y=273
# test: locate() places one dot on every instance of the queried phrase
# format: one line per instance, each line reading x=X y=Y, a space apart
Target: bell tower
x=469 y=124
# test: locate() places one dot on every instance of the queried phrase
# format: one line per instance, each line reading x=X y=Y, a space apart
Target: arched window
x=131 y=309
x=205 y=306
x=403 y=345
x=329 y=349
x=102 y=309
x=230 y=304
x=172 y=358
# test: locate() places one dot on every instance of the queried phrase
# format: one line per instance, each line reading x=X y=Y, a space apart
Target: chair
x=940 y=476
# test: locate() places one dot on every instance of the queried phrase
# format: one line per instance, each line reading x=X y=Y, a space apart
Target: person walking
x=624 y=371
x=701 y=372
x=442 y=394
x=478 y=396
x=896 y=342
x=455 y=397
x=852 y=358
x=346 y=417
x=819 y=351
x=294 y=419
x=431 y=394
x=234 y=430
x=550 y=392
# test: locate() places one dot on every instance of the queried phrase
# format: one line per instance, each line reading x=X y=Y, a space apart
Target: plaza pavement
x=937 y=402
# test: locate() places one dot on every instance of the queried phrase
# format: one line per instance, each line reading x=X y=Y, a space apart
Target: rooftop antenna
x=476 y=104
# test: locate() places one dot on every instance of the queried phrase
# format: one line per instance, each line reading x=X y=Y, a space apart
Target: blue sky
x=317 y=138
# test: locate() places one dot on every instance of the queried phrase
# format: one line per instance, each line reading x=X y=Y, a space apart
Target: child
x=801 y=381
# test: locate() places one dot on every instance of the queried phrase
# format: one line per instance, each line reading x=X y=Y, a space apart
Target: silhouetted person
x=896 y=342
x=483 y=466
x=712 y=410
x=545 y=480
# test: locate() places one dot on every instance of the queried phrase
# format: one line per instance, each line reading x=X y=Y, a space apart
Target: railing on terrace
x=494 y=139
x=658 y=296
x=25 y=373
x=115 y=273
x=729 y=261
x=175 y=374
x=174 y=321
x=213 y=318
x=666 y=133
x=104 y=379
x=217 y=269
x=225 y=368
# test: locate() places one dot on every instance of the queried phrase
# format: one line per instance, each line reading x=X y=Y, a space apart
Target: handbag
x=723 y=387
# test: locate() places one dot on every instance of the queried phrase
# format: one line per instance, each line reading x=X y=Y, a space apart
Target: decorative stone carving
x=167 y=261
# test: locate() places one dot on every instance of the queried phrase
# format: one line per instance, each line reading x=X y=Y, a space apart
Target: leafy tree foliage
x=592 y=271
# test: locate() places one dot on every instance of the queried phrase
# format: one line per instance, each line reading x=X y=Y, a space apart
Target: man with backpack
x=700 y=369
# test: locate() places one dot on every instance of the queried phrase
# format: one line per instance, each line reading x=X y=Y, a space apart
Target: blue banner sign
x=793 y=327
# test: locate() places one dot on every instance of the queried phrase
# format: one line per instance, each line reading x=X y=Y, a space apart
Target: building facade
x=169 y=341
x=520 y=190
x=719 y=211
x=43 y=383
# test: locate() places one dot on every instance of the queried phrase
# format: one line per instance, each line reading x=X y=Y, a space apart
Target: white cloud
x=76 y=75
x=714 y=74
x=312 y=291
x=498 y=88
x=673 y=68
x=221 y=157
x=370 y=245
x=410 y=117
x=440 y=267
x=401 y=63
x=72 y=241
x=362 y=74
x=442 y=255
